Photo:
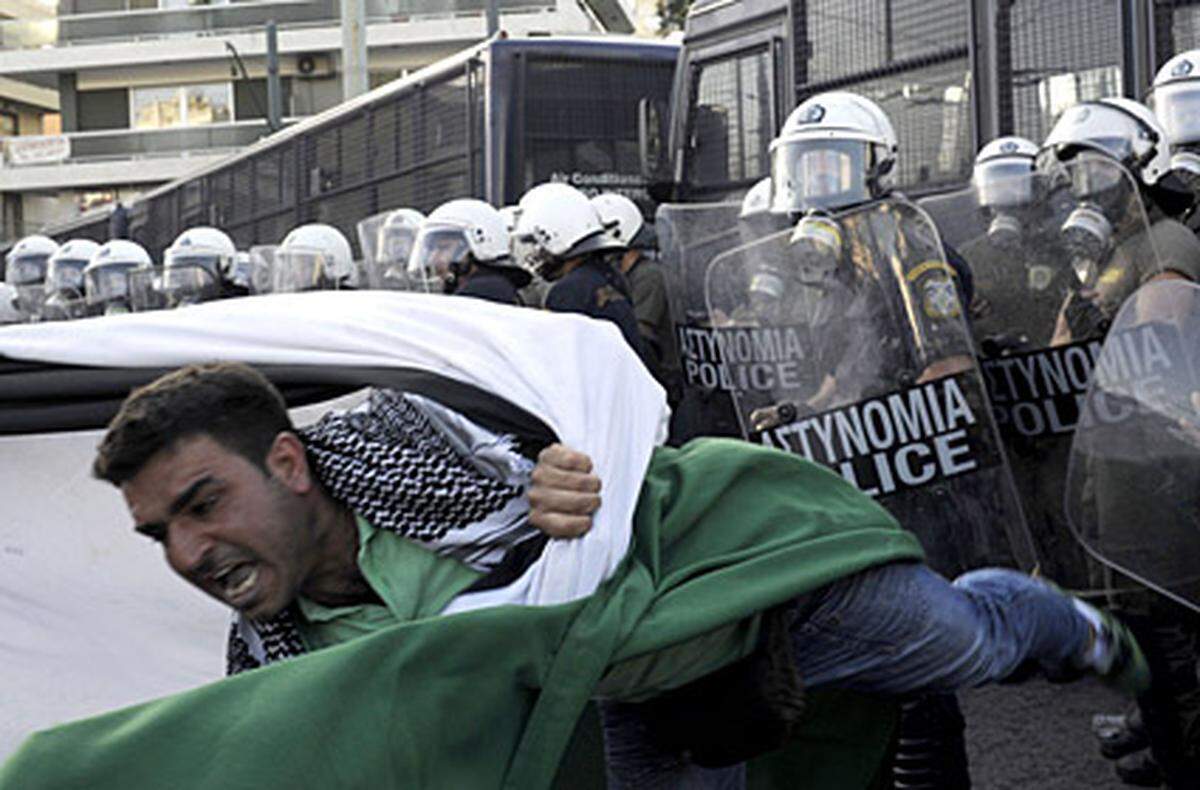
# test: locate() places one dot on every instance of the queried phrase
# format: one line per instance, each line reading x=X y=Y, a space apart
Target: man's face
x=244 y=536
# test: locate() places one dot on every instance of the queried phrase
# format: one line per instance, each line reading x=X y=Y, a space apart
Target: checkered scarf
x=392 y=463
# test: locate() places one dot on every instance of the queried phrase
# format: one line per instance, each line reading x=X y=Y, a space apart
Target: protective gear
x=756 y=220
x=835 y=151
x=64 y=280
x=9 y=314
x=25 y=270
x=387 y=242
x=106 y=277
x=1120 y=128
x=1003 y=183
x=625 y=221
x=559 y=223
x=1175 y=98
x=196 y=266
x=313 y=257
x=456 y=236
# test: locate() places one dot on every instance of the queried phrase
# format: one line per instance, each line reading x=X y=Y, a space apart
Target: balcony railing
x=98 y=21
x=126 y=144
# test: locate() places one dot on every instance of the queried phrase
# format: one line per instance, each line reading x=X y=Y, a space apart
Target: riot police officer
x=463 y=249
x=64 y=280
x=25 y=271
x=106 y=278
x=313 y=257
x=1176 y=101
x=1122 y=256
x=569 y=245
x=387 y=241
x=200 y=266
x=636 y=262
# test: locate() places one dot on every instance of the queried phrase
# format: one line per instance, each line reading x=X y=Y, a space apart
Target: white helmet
x=1176 y=98
x=757 y=200
x=106 y=277
x=1003 y=172
x=834 y=151
x=559 y=223
x=25 y=271
x=624 y=221
x=1119 y=128
x=64 y=279
x=313 y=257
x=196 y=264
x=455 y=235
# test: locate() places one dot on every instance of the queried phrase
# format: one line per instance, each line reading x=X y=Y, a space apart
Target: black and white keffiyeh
x=414 y=468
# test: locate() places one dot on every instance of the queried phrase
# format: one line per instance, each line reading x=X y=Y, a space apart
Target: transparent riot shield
x=145 y=290
x=690 y=237
x=1058 y=254
x=1133 y=482
x=262 y=263
x=386 y=242
x=843 y=341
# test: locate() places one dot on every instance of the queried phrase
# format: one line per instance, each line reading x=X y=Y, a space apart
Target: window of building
x=189 y=3
x=9 y=125
x=181 y=105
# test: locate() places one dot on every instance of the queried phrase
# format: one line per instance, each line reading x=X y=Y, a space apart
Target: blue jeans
x=894 y=629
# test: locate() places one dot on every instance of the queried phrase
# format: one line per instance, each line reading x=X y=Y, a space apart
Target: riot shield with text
x=1060 y=252
x=1133 y=485
x=842 y=340
x=690 y=237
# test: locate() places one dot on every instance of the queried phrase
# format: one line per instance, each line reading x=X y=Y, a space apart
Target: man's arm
x=564 y=493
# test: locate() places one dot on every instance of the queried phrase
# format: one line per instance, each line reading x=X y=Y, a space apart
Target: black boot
x=931 y=752
x=1139 y=769
x=1120 y=734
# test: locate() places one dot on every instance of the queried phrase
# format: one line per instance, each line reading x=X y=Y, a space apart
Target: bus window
x=732 y=119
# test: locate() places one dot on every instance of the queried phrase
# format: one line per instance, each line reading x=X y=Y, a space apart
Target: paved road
x=1037 y=736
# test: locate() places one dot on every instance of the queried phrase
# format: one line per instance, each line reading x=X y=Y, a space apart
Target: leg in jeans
x=901 y=628
x=894 y=629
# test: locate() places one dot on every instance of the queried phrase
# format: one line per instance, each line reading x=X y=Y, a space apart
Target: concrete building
x=149 y=90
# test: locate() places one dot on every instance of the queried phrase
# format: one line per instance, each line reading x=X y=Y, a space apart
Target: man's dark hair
x=230 y=402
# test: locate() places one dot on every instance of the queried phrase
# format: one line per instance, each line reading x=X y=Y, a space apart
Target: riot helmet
x=25 y=271
x=195 y=266
x=313 y=257
x=1176 y=101
x=1122 y=129
x=387 y=241
x=625 y=222
x=557 y=224
x=106 y=279
x=456 y=237
x=1005 y=184
x=835 y=150
x=64 y=280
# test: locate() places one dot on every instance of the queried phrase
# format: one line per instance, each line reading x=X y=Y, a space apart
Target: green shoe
x=1119 y=661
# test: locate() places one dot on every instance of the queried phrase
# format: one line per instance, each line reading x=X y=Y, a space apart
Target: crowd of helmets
x=835 y=150
x=462 y=243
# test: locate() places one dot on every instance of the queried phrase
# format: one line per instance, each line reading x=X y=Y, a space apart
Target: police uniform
x=492 y=285
x=594 y=288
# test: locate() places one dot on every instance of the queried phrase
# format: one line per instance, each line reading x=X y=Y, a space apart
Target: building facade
x=149 y=90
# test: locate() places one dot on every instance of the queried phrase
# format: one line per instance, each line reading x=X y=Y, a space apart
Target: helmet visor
x=1003 y=183
x=187 y=280
x=809 y=174
x=435 y=250
x=66 y=276
x=26 y=270
x=1178 y=109
x=1093 y=177
x=301 y=269
x=108 y=283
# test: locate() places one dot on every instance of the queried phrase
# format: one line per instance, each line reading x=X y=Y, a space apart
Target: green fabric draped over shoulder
x=489 y=699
